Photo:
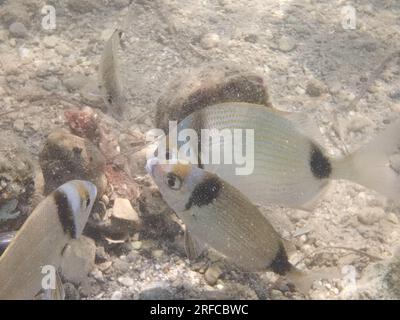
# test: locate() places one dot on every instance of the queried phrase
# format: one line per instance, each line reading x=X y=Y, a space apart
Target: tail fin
x=376 y=165
x=303 y=281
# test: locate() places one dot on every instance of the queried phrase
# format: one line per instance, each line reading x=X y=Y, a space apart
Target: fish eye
x=173 y=181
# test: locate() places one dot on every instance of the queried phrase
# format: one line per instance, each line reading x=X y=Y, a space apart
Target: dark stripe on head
x=281 y=264
x=205 y=192
x=64 y=213
x=320 y=164
x=198 y=125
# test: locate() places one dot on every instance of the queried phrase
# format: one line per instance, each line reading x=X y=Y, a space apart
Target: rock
x=370 y=216
x=156 y=291
x=210 y=40
x=157 y=254
x=392 y=218
x=97 y=274
x=136 y=245
x=121 y=266
x=207 y=85
x=314 y=89
x=67 y=157
x=126 y=281
x=78 y=259
x=20 y=180
x=82 y=6
x=380 y=280
x=50 y=41
x=19 y=125
x=75 y=82
x=212 y=274
x=117 y=295
x=286 y=44
x=63 y=50
x=358 y=123
x=18 y=30
x=122 y=210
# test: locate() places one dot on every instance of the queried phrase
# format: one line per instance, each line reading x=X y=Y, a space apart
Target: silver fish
x=220 y=217
x=40 y=241
x=291 y=168
x=109 y=77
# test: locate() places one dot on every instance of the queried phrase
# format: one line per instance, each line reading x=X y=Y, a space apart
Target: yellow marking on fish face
x=181 y=170
x=83 y=192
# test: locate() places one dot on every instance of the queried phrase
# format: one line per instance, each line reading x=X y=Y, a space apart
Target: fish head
x=176 y=181
x=76 y=199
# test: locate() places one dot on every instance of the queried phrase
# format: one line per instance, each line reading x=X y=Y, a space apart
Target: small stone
x=82 y=6
x=18 y=30
x=156 y=291
x=117 y=295
x=286 y=44
x=126 y=281
x=277 y=295
x=314 y=89
x=157 y=253
x=136 y=245
x=370 y=216
x=121 y=266
x=212 y=274
x=50 y=41
x=358 y=123
x=392 y=218
x=97 y=274
x=210 y=40
x=78 y=259
x=63 y=50
x=75 y=82
x=122 y=210
x=19 y=125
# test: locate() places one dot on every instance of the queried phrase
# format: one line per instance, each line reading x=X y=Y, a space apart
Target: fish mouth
x=150 y=164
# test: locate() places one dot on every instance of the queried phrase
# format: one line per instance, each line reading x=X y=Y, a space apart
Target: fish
x=41 y=240
x=220 y=217
x=5 y=240
x=110 y=82
x=291 y=166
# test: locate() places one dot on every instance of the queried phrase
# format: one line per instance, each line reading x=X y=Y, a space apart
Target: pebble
x=136 y=245
x=126 y=281
x=117 y=295
x=156 y=291
x=157 y=253
x=18 y=30
x=120 y=266
x=212 y=274
x=392 y=218
x=78 y=259
x=210 y=40
x=75 y=82
x=370 y=216
x=19 y=125
x=314 y=89
x=286 y=44
x=122 y=210
x=82 y=6
x=50 y=41
x=358 y=123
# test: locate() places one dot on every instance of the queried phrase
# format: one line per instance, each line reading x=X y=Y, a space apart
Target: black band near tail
x=64 y=213
x=319 y=163
x=281 y=264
